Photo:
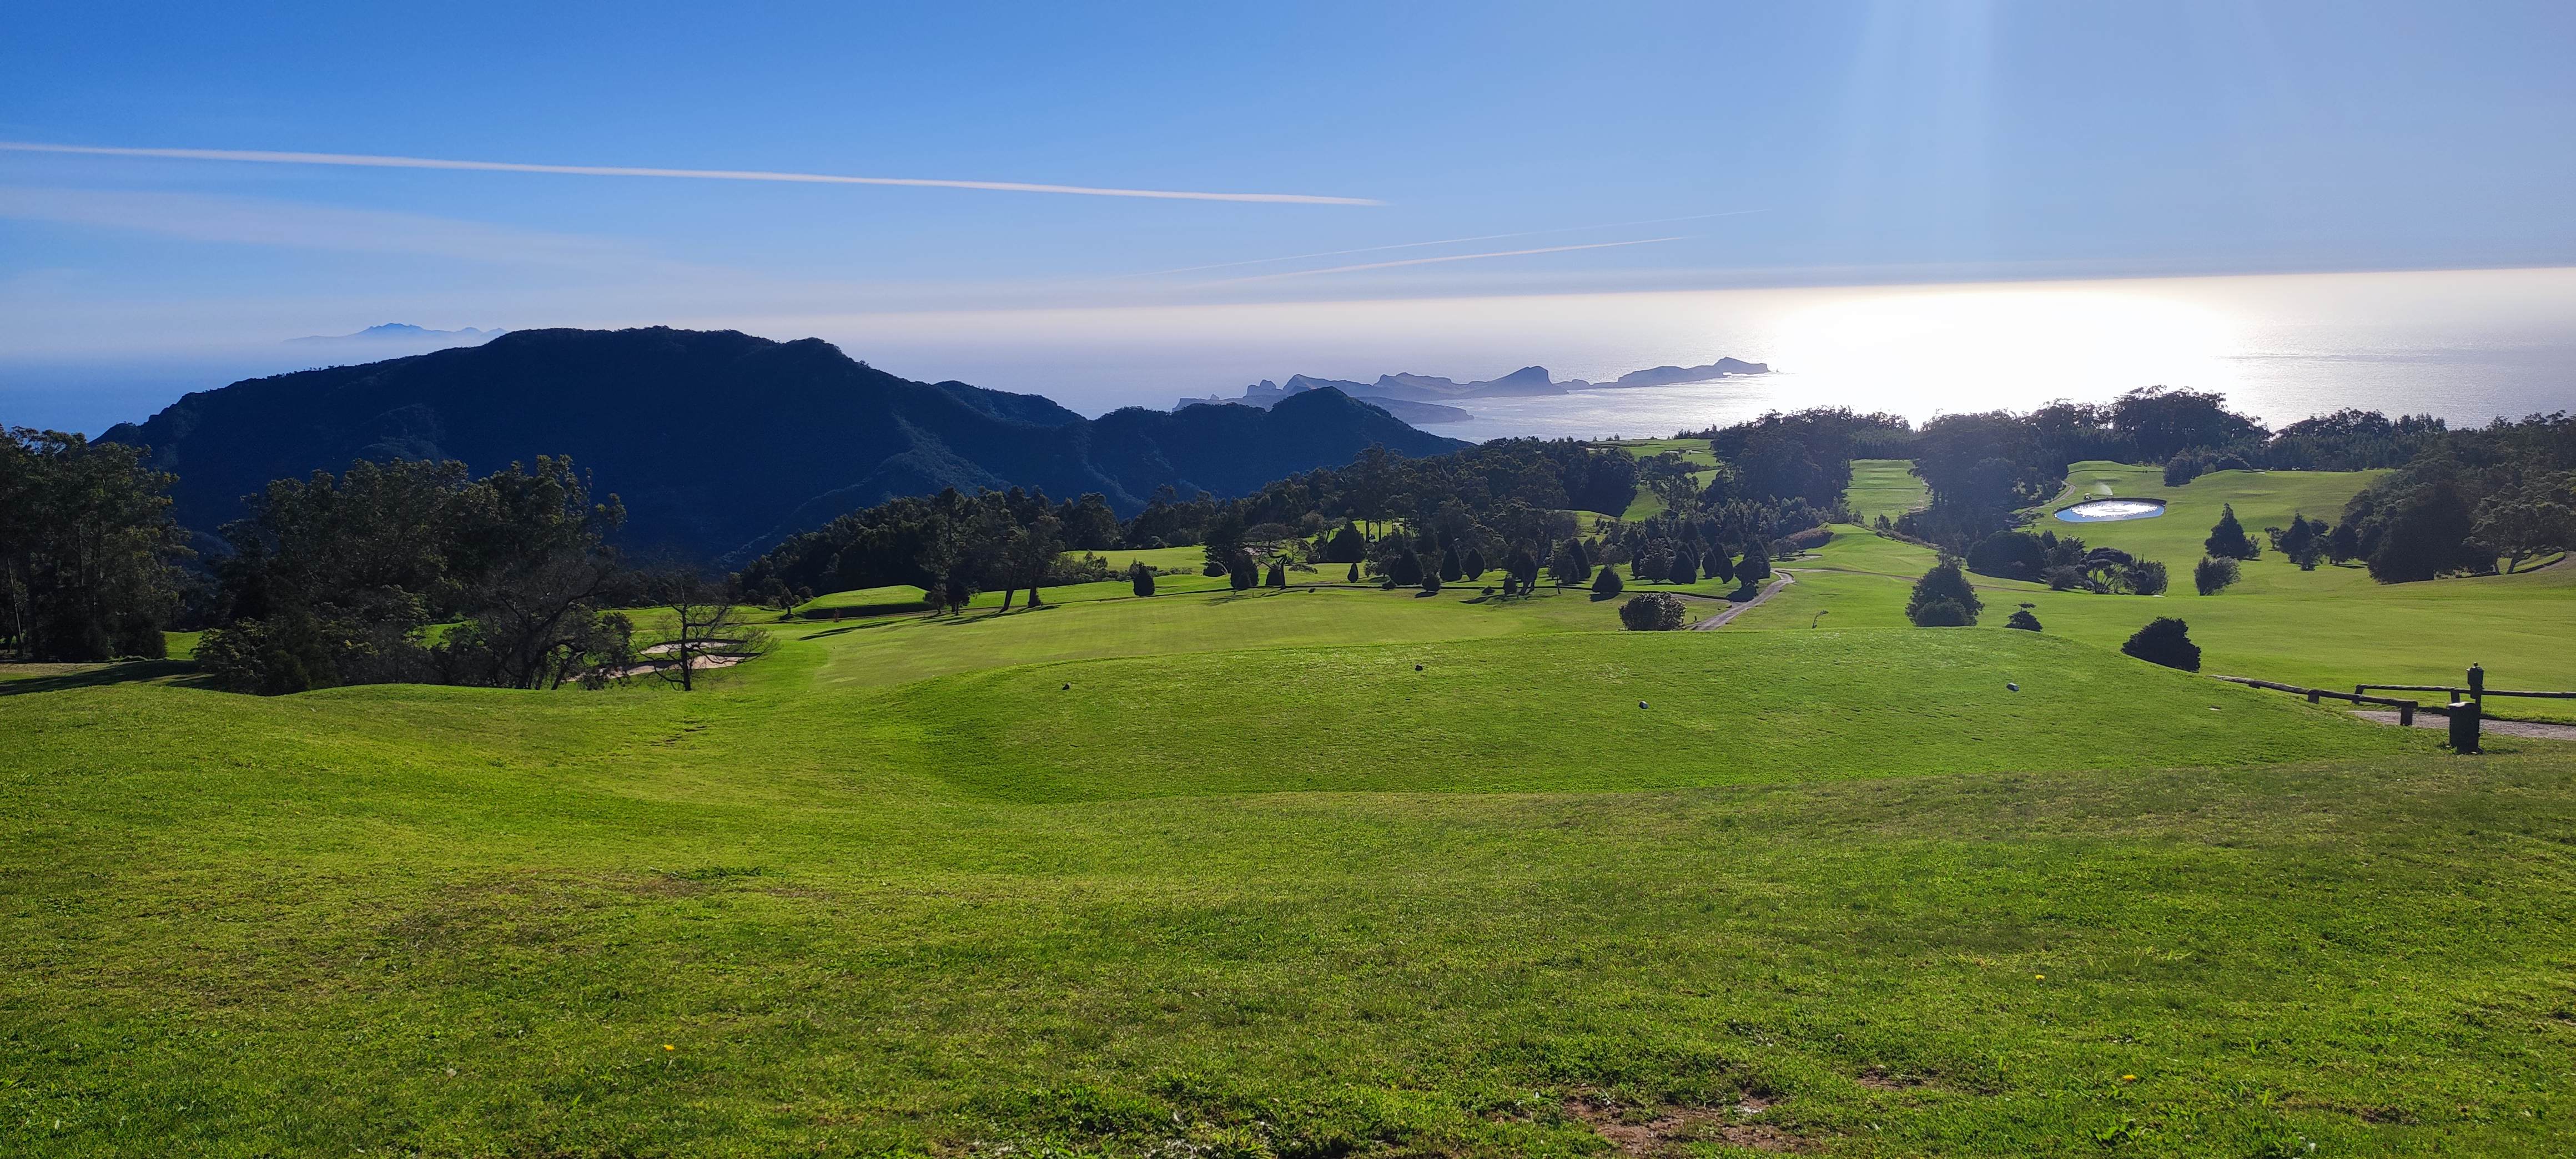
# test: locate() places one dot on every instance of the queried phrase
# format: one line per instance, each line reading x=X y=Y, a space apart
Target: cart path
x=1779 y=580
x=2536 y=730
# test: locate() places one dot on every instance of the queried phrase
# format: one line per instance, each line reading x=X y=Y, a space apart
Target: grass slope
x=797 y=914
x=2331 y=627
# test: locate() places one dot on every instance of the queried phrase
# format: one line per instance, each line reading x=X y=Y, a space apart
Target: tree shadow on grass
x=92 y=676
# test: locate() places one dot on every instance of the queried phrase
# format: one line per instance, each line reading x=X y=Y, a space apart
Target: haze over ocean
x=2464 y=345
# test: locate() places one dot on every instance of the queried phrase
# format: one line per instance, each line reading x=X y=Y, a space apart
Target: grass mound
x=1561 y=712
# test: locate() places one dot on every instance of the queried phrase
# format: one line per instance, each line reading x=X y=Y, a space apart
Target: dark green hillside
x=718 y=440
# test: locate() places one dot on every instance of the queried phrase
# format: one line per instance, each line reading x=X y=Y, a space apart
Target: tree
x=1522 y=565
x=2343 y=544
x=1347 y=545
x=1684 y=569
x=88 y=551
x=1651 y=612
x=2165 y=641
x=1430 y=581
x=706 y=624
x=2533 y=520
x=1140 y=577
x=1943 y=613
x=1716 y=565
x=1755 y=567
x=2145 y=577
x=1354 y=576
x=1450 y=567
x=1473 y=566
x=2304 y=541
x=334 y=580
x=2426 y=536
x=1241 y=574
x=2227 y=539
x=2022 y=619
x=2009 y=555
x=1278 y=574
x=1031 y=553
x=1607 y=585
x=1567 y=566
x=2212 y=575
x=1945 y=583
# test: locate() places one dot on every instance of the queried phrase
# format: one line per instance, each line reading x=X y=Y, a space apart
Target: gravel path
x=1779 y=580
x=2524 y=728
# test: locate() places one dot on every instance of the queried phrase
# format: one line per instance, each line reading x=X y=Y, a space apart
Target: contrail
x=1554 y=249
x=372 y=161
x=1419 y=244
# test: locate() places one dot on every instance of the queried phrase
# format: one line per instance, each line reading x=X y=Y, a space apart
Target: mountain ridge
x=718 y=442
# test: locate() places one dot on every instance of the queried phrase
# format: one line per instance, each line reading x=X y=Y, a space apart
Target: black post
x=2464 y=726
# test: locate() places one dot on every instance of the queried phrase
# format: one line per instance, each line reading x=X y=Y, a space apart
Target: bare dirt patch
x=1879 y=1080
x=1668 y=1131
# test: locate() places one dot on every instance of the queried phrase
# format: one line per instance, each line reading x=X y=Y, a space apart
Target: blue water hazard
x=2111 y=510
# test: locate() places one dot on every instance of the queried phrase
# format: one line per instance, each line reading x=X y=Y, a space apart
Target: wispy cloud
x=258 y=221
x=1371 y=249
x=1554 y=249
x=372 y=161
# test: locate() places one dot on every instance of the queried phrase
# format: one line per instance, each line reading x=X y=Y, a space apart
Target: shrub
x=2146 y=577
x=2213 y=575
x=1683 y=569
x=1944 y=584
x=1354 y=577
x=1141 y=578
x=2022 y=619
x=1607 y=585
x=2165 y=641
x=1278 y=575
x=1942 y=614
x=2010 y=555
x=1651 y=612
x=2227 y=538
x=1430 y=582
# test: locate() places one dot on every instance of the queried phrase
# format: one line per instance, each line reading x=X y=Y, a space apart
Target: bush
x=2022 y=619
x=2010 y=555
x=1651 y=612
x=1944 y=584
x=2165 y=641
x=2146 y=577
x=1607 y=585
x=1942 y=614
x=2227 y=539
x=1141 y=578
x=2213 y=575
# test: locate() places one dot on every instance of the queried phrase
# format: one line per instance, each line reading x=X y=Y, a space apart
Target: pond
x=2111 y=510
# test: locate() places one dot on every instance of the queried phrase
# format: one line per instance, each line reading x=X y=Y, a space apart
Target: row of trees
x=337 y=579
x=2467 y=498
x=89 y=556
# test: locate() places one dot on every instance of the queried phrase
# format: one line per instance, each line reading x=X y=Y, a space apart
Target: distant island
x=404 y=333
x=1417 y=398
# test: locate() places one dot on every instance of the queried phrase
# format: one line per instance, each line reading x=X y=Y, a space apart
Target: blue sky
x=1849 y=143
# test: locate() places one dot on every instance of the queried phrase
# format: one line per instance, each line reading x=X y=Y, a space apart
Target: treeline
x=339 y=579
x=88 y=550
x=950 y=545
x=2466 y=498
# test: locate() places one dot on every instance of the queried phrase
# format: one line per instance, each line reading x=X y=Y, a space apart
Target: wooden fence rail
x=2406 y=709
x=2454 y=691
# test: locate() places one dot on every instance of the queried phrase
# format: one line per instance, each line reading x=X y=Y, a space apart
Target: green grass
x=2329 y=628
x=1290 y=900
x=1886 y=487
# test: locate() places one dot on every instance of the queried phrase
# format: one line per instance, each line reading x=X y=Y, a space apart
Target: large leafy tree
x=88 y=551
